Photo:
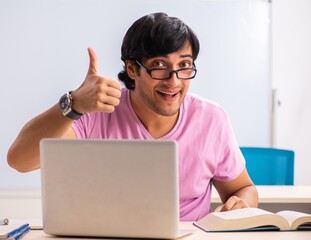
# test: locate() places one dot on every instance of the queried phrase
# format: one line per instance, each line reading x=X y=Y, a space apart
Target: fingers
x=93 y=62
x=109 y=94
x=97 y=93
x=232 y=203
x=219 y=208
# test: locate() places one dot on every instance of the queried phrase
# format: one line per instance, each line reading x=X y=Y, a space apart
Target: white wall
x=21 y=204
x=40 y=59
x=291 y=77
x=43 y=54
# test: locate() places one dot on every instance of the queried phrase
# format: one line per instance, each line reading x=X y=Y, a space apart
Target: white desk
x=278 y=194
x=27 y=203
x=276 y=198
x=201 y=235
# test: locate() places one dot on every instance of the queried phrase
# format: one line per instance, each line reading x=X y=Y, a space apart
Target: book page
x=296 y=218
x=241 y=219
x=241 y=213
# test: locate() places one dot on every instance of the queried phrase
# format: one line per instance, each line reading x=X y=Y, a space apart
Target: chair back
x=269 y=166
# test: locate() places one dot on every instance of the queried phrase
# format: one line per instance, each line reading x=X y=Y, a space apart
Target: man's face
x=163 y=97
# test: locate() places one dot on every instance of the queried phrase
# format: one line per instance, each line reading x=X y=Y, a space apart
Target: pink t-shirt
x=206 y=142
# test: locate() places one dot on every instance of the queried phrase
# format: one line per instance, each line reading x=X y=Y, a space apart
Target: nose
x=173 y=80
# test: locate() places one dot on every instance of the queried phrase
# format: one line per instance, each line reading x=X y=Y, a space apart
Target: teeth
x=167 y=93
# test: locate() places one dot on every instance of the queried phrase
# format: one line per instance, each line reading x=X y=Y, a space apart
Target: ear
x=131 y=69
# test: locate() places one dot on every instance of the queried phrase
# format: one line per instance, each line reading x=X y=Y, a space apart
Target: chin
x=168 y=113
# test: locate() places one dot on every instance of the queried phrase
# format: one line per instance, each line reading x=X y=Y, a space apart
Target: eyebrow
x=181 y=56
x=186 y=55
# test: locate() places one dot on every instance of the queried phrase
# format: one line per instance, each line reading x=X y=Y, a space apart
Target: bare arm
x=238 y=193
x=96 y=93
x=23 y=154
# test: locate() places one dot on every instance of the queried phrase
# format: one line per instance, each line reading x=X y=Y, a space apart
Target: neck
x=157 y=125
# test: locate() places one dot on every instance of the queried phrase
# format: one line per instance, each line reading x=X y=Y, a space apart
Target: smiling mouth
x=168 y=94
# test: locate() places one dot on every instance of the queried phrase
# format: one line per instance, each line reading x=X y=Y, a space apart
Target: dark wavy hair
x=154 y=35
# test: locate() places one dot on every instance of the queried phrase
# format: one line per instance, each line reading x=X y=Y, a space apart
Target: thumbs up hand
x=97 y=93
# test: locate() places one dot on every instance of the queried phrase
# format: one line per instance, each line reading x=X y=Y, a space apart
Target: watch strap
x=74 y=115
x=67 y=108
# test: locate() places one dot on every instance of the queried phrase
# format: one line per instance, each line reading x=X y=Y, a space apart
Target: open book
x=248 y=219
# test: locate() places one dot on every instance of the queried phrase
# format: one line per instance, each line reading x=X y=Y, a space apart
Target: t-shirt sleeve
x=83 y=126
x=231 y=162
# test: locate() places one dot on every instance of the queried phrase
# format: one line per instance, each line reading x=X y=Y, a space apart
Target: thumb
x=93 y=62
x=218 y=209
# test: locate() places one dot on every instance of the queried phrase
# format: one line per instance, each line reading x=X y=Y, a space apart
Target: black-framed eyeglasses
x=165 y=74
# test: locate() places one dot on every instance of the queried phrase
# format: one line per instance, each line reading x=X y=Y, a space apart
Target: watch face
x=64 y=102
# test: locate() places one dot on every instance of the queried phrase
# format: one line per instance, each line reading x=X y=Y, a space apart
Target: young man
x=159 y=53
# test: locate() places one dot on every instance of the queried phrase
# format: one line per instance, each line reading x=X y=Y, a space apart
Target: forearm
x=245 y=197
x=238 y=193
x=24 y=154
x=249 y=194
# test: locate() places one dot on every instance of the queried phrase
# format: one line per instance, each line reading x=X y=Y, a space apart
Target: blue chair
x=269 y=166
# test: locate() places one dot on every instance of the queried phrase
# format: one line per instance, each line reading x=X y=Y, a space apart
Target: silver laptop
x=110 y=188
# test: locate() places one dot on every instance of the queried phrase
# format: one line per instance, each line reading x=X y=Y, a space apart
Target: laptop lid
x=110 y=188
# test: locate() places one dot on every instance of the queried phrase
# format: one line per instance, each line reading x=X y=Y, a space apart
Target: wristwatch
x=65 y=105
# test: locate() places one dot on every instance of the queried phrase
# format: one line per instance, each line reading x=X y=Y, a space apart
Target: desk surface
x=267 y=194
x=201 y=235
x=278 y=194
